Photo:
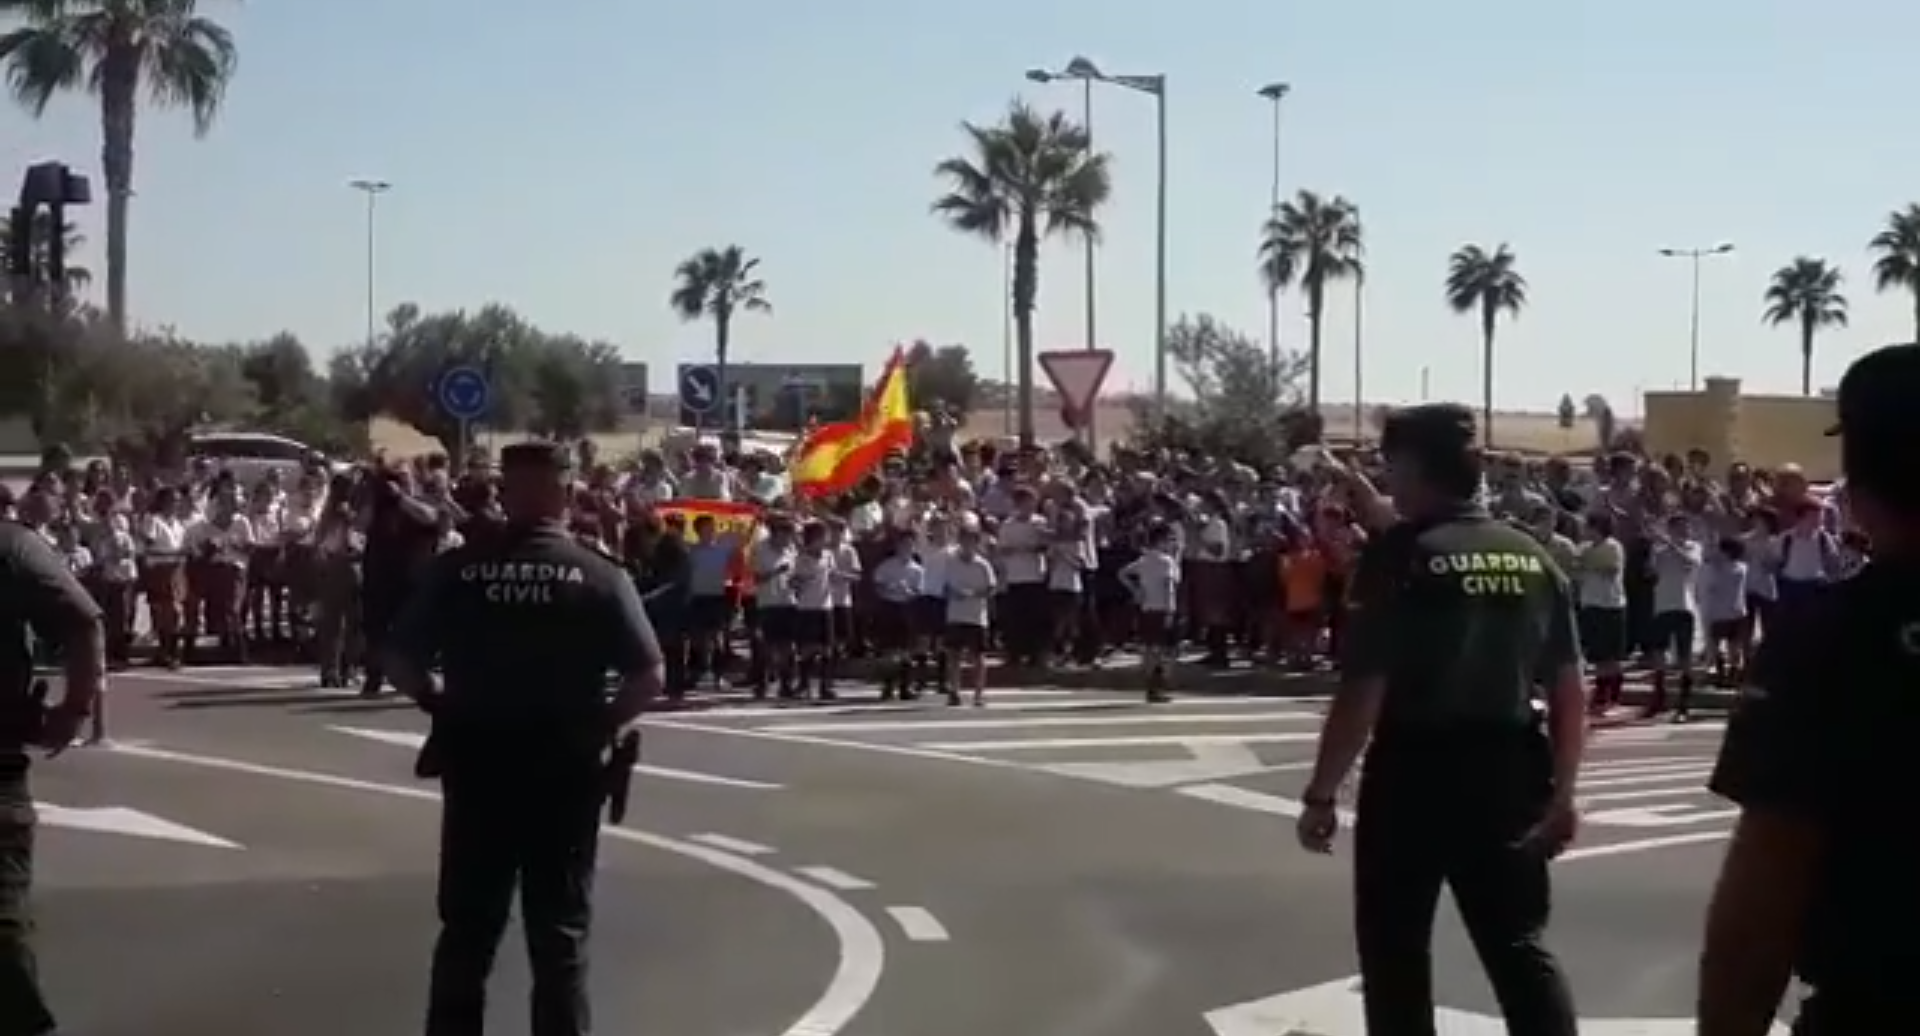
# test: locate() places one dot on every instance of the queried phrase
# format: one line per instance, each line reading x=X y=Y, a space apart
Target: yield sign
x=1077 y=375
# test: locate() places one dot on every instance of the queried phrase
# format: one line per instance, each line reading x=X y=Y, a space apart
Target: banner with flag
x=833 y=458
x=731 y=521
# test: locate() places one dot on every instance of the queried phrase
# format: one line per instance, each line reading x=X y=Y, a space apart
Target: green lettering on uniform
x=1483 y=574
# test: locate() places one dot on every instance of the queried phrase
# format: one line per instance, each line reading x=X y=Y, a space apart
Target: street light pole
x=1693 y=257
x=1275 y=93
x=373 y=189
x=1084 y=71
x=1155 y=86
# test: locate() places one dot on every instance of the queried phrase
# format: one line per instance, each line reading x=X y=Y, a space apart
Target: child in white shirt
x=812 y=581
x=1677 y=559
x=1154 y=580
x=970 y=582
x=1723 y=606
x=896 y=586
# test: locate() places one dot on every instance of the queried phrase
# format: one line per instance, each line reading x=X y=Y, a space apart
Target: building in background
x=783 y=397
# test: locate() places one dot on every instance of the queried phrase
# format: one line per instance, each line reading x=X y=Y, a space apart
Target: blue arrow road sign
x=463 y=393
x=700 y=389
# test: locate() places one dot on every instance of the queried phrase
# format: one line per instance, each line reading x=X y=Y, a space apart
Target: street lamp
x=1154 y=86
x=373 y=189
x=1082 y=70
x=1274 y=93
x=1693 y=256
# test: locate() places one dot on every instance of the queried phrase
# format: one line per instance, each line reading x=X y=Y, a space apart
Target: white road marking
x=729 y=844
x=413 y=739
x=1170 y=740
x=1695 y=773
x=862 y=953
x=1644 y=845
x=118 y=820
x=1113 y=718
x=1209 y=763
x=918 y=924
x=834 y=878
x=237 y=681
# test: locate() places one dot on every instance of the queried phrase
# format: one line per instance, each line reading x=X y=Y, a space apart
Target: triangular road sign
x=1077 y=375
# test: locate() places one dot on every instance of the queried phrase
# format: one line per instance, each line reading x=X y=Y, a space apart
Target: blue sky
x=562 y=157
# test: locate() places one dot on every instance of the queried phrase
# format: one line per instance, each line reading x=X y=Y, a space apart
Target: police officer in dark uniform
x=38 y=598
x=1456 y=622
x=525 y=626
x=1822 y=876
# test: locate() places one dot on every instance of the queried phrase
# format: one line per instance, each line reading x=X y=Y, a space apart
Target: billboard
x=783 y=397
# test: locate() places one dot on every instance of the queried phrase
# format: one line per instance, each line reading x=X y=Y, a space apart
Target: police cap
x=1878 y=406
x=538 y=456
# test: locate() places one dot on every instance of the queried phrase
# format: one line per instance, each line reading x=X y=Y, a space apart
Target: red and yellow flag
x=833 y=458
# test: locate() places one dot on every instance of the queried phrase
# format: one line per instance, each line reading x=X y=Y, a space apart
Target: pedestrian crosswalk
x=1243 y=752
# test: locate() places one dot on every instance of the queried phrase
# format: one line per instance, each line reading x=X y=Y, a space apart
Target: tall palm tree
x=717 y=284
x=1806 y=292
x=1487 y=283
x=1312 y=241
x=1897 y=265
x=40 y=258
x=1028 y=176
x=113 y=49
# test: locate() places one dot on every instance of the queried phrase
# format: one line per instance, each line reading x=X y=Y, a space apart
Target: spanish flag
x=833 y=458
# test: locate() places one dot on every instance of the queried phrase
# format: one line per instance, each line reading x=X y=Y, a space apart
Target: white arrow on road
x=119 y=820
x=413 y=739
x=1334 y=1009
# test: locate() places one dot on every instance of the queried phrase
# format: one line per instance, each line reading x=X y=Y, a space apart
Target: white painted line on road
x=776 y=734
x=1642 y=794
x=1644 y=845
x=729 y=844
x=281 y=681
x=862 y=953
x=1112 y=718
x=1599 y=766
x=413 y=739
x=1698 y=772
x=1170 y=740
x=1258 y=801
x=834 y=878
x=918 y=924
x=118 y=820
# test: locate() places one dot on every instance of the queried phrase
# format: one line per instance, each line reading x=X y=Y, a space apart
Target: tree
x=1244 y=406
x=1806 y=293
x=716 y=284
x=941 y=374
x=1030 y=175
x=1566 y=413
x=40 y=255
x=113 y=49
x=1312 y=241
x=1605 y=424
x=1486 y=283
x=1897 y=263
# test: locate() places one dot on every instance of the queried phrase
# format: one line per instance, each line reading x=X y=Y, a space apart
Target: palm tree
x=40 y=258
x=717 y=283
x=1487 y=283
x=1030 y=175
x=1806 y=292
x=113 y=49
x=1312 y=241
x=1898 y=262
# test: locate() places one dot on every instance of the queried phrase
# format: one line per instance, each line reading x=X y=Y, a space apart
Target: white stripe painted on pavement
x=918 y=923
x=1170 y=740
x=237 y=681
x=1696 y=773
x=414 y=739
x=1112 y=718
x=1258 y=801
x=1599 y=766
x=1644 y=845
x=729 y=844
x=862 y=956
x=834 y=878
x=1642 y=794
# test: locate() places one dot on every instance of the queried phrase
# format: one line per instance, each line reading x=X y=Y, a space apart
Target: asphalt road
x=1068 y=862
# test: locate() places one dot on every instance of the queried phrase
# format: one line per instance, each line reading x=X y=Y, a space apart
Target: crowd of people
x=940 y=560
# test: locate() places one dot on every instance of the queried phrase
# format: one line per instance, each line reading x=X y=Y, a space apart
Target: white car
x=250 y=455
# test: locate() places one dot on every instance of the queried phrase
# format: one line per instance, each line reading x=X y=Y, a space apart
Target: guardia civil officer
x=38 y=598
x=1456 y=622
x=1822 y=876
x=525 y=626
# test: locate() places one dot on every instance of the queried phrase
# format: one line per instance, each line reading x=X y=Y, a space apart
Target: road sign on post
x=464 y=393
x=699 y=390
x=1077 y=375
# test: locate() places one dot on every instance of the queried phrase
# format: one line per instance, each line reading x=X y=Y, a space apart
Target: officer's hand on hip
x=1556 y=829
x=1318 y=824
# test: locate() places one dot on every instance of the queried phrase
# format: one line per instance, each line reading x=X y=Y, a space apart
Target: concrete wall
x=1765 y=431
